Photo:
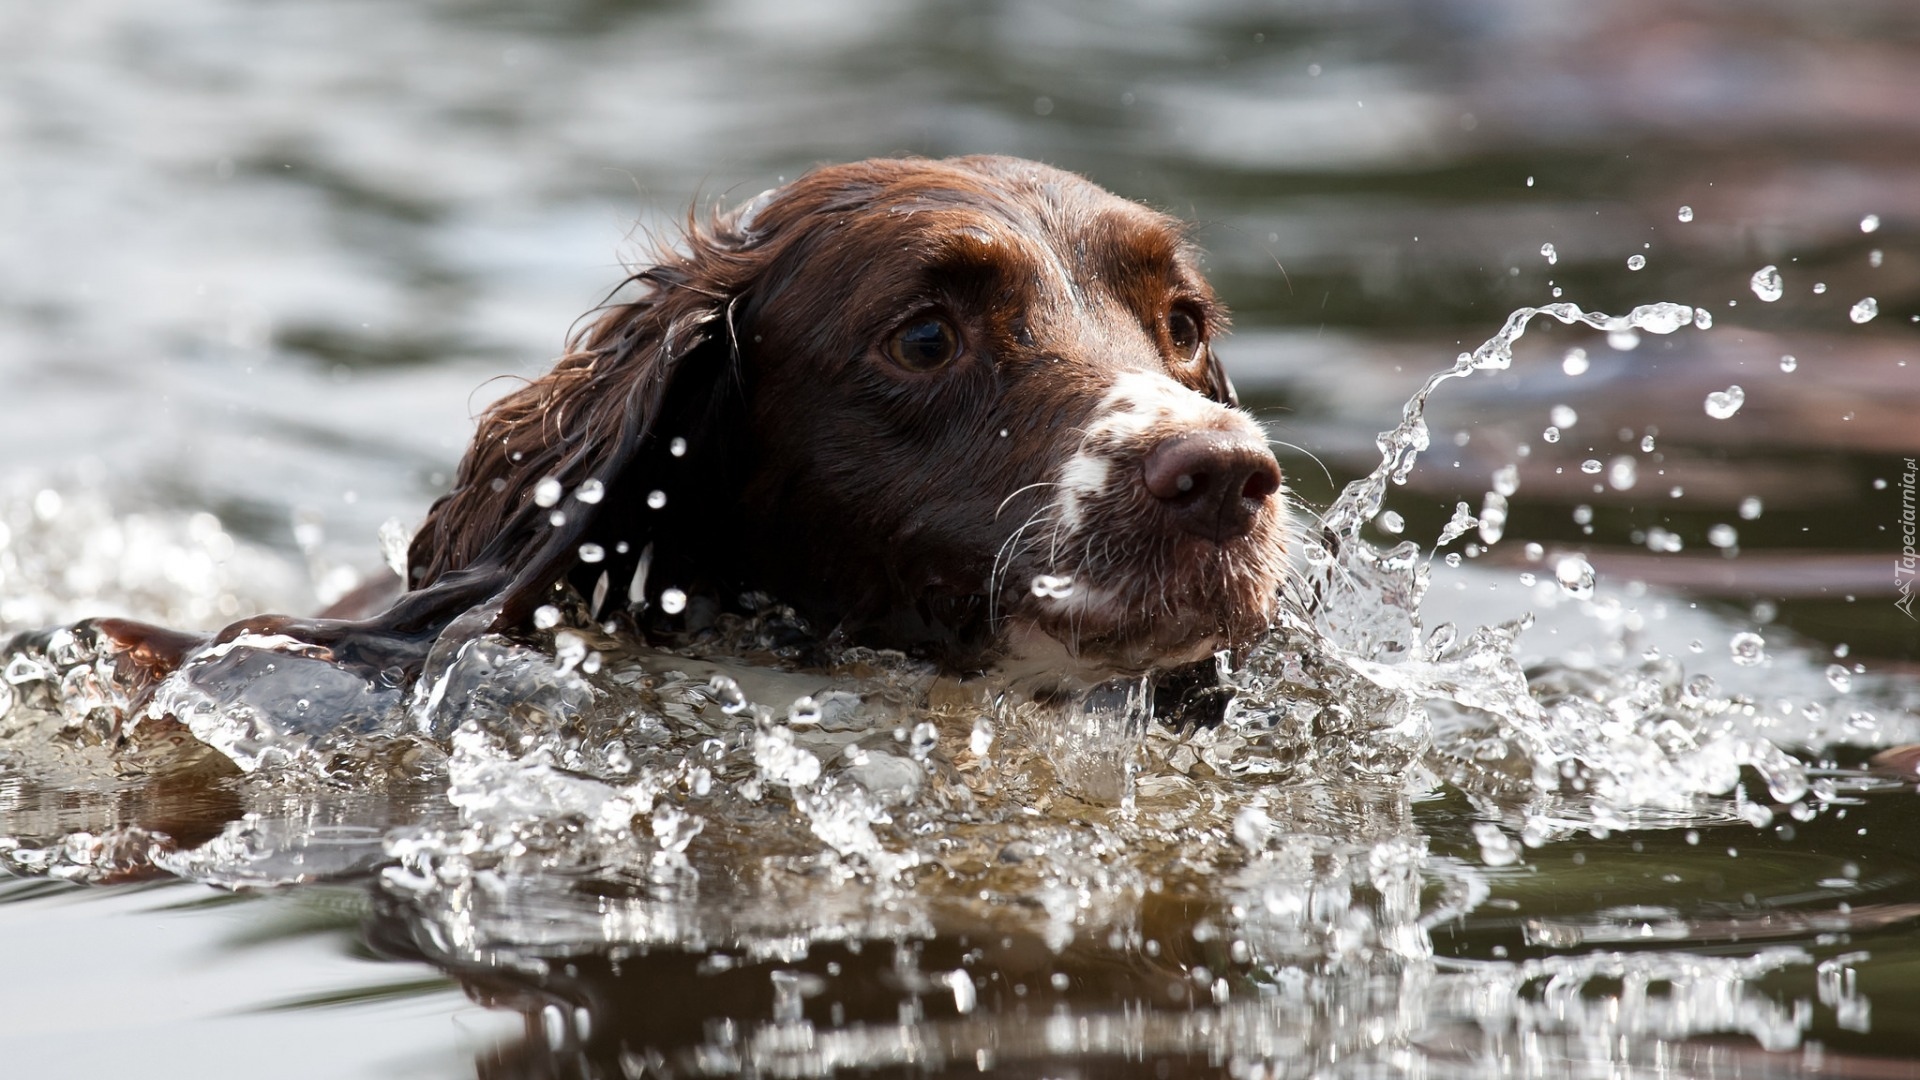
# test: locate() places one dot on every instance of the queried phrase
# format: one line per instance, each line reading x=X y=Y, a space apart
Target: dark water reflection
x=255 y=259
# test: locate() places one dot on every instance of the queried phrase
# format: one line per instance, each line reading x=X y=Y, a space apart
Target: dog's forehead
x=976 y=209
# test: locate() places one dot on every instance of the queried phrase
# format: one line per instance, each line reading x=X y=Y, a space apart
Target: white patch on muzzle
x=1140 y=409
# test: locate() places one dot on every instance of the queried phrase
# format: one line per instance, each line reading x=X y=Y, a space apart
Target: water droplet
x=569 y=649
x=1623 y=472
x=965 y=996
x=1724 y=403
x=656 y=499
x=1748 y=649
x=804 y=712
x=1788 y=363
x=923 y=740
x=592 y=553
x=1623 y=340
x=1575 y=576
x=982 y=738
x=1506 y=480
x=1583 y=514
x=547 y=492
x=1551 y=434
x=1591 y=467
x=395 y=538
x=1534 y=551
x=728 y=694
x=1052 y=586
x=1702 y=319
x=1840 y=677
x=1391 y=522
x=1636 y=262
x=1662 y=541
x=1646 y=444
x=546 y=616
x=1575 y=362
x=1750 y=508
x=1819 y=288
x=1767 y=284
x=673 y=601
x=590 y=491
x=1496 y=847
x=1563 y=416
x=678 y=447
x=1876 y=257
x=1864 y=311
x=1723 y=536
x=1870 y=223
x=1552 y=256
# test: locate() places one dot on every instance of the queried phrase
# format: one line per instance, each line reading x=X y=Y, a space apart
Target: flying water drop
x=1575 y=576
x=1724 y=403
x=1052 y=587
x=1766 y=284
x=1748 y=649
x=1622 y=473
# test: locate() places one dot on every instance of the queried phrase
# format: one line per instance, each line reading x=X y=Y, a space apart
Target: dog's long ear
x=554 y=462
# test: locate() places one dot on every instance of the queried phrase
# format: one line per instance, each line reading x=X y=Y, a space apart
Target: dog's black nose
x=1214 y=482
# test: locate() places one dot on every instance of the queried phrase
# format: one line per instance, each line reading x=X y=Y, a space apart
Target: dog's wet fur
x=969 y=409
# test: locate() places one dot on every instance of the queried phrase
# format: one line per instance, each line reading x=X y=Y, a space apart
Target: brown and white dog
x=967 y=407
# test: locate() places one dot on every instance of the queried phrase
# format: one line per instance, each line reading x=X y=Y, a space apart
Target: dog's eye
x=1184 y=329
x=924 y=344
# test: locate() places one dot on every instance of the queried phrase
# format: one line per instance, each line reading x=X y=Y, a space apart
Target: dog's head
x=967 y=405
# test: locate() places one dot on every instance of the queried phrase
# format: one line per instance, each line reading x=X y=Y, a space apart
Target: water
x=1532 y=770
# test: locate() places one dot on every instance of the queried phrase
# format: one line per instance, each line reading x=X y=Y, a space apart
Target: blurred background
x=262 y=258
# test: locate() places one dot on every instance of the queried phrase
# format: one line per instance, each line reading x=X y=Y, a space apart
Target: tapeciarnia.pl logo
x=1905 y=567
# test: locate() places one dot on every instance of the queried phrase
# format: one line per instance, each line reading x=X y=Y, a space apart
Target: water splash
x=570 y=793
